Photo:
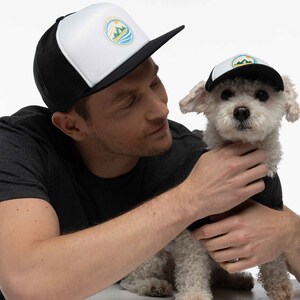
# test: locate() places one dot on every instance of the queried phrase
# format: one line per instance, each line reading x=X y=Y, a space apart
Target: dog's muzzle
x=241 y=114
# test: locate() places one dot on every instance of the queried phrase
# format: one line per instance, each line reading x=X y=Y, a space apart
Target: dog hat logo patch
x=118 y=31
x=243 y=60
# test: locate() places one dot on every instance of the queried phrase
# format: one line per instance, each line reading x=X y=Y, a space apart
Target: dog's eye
x=262 y=95
x=226 y=94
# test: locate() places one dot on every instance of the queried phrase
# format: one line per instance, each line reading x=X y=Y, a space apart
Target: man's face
x=130 y=116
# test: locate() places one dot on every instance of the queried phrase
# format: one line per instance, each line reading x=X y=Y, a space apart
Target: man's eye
x=226 y=94
x=129 y=102
x=262 y=95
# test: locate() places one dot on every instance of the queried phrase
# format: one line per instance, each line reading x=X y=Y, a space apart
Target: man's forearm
x=104 y=253
x=293 y=263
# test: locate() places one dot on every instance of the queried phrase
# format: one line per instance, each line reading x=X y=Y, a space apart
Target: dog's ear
x=292 y=107
x=195 y=100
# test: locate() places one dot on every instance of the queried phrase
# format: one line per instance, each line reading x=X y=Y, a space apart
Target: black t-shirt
x=39 y=161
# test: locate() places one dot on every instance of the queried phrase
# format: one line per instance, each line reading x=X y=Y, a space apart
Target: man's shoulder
x=26 y=115
x=29 y=123
x=172 y=167
x=184 y=135
x=187 y=147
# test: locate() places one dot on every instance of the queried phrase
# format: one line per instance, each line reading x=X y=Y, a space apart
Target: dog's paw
x=274 y=278
x=160 y=288
x=153 y=287
x=281 y=292
x=193 y=295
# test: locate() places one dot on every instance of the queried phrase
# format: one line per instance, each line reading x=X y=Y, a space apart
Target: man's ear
x=71 y=124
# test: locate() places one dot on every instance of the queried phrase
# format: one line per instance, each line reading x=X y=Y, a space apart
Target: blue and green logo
x=118 y=32
x=243 y=60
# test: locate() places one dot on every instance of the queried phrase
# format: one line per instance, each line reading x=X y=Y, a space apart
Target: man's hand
x=254 y=233
x=225 y=177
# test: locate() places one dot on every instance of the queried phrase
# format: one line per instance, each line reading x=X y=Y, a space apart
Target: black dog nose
x=241 y=113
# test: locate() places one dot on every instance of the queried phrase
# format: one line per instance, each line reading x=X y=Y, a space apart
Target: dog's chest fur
x=270 y=144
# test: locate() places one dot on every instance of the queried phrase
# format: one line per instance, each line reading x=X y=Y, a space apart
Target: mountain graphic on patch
x=243 y=62
x=119 y=32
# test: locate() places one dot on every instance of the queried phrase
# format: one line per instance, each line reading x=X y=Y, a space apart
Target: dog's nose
x=241 y=113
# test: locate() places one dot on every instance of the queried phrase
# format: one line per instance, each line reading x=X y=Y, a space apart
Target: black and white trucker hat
x=246 y=66
x=89 y=50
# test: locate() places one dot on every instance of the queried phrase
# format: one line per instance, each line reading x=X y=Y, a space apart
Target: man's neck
x=106 y=165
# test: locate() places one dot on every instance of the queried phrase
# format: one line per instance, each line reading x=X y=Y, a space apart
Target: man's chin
x=159 y=150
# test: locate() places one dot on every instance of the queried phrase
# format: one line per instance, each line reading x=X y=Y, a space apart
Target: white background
x=215 y=30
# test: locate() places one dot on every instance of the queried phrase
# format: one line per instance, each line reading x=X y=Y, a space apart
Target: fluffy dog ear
x=195 y=100
x=292 y=107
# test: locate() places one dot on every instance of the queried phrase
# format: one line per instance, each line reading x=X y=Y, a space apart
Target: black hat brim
x=134 y=61
x=252 y=72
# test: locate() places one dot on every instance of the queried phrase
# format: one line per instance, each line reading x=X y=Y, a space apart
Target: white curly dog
x=244 y=99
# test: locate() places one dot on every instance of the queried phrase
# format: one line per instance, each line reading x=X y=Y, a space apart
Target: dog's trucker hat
x=246 y=66
x=86 y=51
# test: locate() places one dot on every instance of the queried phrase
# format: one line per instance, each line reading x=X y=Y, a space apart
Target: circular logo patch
x=118 y=32
x=243 y=60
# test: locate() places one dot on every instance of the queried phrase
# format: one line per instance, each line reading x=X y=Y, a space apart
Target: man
x=100 y=180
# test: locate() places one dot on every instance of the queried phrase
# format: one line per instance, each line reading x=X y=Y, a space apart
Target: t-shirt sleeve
x=22 y=167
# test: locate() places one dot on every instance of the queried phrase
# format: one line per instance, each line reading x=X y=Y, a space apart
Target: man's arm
x=292 y=252
x=37 y=263
x=34 y=256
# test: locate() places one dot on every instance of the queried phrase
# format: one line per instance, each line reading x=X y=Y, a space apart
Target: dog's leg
x=192 y=269
x=237 y=281
x=152 y=278
x=274 y=278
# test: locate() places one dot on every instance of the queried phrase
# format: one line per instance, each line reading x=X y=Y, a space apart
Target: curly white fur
x=184 y=263
x=263 y=123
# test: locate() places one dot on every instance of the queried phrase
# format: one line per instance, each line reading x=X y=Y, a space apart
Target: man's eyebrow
x=125 y=93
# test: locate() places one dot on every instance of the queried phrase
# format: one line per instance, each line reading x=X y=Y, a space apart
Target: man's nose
x=156 y=107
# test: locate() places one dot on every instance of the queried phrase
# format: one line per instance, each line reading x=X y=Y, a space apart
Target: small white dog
x=244 y=99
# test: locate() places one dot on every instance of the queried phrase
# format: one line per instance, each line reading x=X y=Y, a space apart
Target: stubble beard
x=139 y=150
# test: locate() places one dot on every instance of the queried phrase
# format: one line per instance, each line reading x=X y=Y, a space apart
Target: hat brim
x=134 y=61
x=252 y=72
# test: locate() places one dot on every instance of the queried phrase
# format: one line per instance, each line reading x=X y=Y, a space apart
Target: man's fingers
x=212 y=230
x=227 y=255
x=240 y=149
x=234 y=265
